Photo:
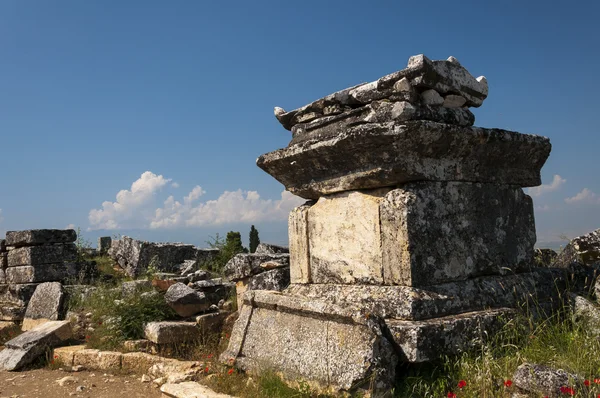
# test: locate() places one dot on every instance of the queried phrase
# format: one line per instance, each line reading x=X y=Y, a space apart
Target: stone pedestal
x=417 y=240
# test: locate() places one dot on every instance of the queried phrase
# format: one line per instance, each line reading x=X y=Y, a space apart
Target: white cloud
x=131 y=206
x=556 y=183
x=70 y=226
x=230 y=207
x=542 y=208
x=137 y=208
x=175 y=185
x=585 y=196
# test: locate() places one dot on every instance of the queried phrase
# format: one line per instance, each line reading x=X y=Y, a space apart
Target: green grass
x=116 y=318
x=558 y=342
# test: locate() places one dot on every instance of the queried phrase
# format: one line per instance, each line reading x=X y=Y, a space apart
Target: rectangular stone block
x=139 y=362
x=98 y=360
x=345 y=238
x=65 y=355
x=171 y=332
x=298 y=238
x=40 y=255
x=423 y=341
x=30 y=274
x=308 y=339
x=34 y=237
x=436 y=232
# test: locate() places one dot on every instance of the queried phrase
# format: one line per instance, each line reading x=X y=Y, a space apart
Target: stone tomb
x=417 y=240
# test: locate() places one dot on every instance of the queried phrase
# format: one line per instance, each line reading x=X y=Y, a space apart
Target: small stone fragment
x=403 y=86
x=67 y=380
x=454 y=101
x=431 y=97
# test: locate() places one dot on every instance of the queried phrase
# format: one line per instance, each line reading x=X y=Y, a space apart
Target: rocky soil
x=43 y=383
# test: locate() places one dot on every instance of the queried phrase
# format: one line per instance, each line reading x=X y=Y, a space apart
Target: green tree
x=227 y=249
x=254 y=239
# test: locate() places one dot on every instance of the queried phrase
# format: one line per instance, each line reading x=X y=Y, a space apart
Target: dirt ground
x=42 y=383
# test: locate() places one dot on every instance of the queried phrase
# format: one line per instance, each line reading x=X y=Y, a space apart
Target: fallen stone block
x=26 y=347
x=186 y=301
x=211 y=322
x=30 y=274
x=215 y=289
x=171 y=332
x=585 y=312
x=46 y=304
x=98 y=360
x=190 y=389
x=34 y=237
x=42 y=255
x=423 y=341
x=376 y=155
x=543 y=380
x=247 y=264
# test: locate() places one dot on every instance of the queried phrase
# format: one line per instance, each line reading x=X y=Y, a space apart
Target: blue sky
x=96 y=95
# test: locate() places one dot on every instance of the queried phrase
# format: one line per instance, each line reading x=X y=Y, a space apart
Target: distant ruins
x=416 y=241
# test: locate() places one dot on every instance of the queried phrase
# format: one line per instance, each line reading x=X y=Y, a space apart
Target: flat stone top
x=51 y=330
x=376 y=155
x=447 y=77
x=33 y=237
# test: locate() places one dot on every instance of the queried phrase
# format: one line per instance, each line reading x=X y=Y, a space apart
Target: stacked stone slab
x=266 y=269
x=417 y=239
x=33 y=257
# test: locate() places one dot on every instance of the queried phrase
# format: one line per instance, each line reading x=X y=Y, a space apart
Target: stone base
x=336 y=348
x=423 y=341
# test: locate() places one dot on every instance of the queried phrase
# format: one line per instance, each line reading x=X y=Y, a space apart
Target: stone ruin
x=136 y=256
x=416 y=241
x=28 y=259
x=268 y=268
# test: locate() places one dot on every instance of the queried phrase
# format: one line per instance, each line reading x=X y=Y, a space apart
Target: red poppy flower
x=56 y=357
x=462 y=384
x=567 y=390
x=209 y=356
x=508 y=383
x=230 y=371
x=586 y=383
x=451 y=395
x=206 y=369
x=597 y=381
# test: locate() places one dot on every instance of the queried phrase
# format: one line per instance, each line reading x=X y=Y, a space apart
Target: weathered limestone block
x=34 y=237
x=246 y=264
x=171 y=332
x=268 y=248
x=31 y=274
x=134 y=256
x=345 y=238
x=584 y=250
x=308 y=339
x=45 y=305
x=41 y=255
x=215 y=289
x=211 y=322
x=275 y=279
x=3 y=260
x=585 y=312
x=139 y=362
x=543 y=380
x=408 y=303
x=186 y=301
x=12 y=312
x=299 y=251
x=435 y=232
x=130 y=288
x=65 y=355
x=376 y=155
x=25 y=348
x=423 y=341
